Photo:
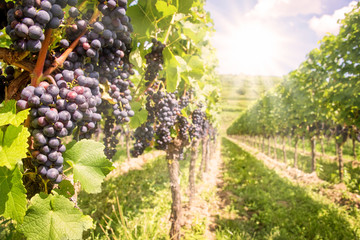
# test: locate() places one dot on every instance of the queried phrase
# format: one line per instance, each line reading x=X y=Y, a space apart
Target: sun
x=252 y=47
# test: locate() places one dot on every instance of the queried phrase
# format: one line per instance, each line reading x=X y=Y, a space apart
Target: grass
x=136 y=205
x=326 y=169
x=266 y=206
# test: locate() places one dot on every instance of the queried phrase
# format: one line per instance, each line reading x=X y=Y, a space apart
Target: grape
x=33 y=45
x=42 y=17
x=22 y=104
x=49 y=131
x=34 y=101
x=53 y=90
x=57 y=11
x=39 y=91
x=63 y=42
x=54 y=142
x=52 y=116
x=41 y=158
x=42 y=110
x=64 y=116
x=52 y=174
x=46 y=99
x=40 y=139
x=74 y=12
x=42 y=170
x=21 y=30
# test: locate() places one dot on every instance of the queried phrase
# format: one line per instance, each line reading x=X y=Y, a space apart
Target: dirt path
x=337 y=193
x=133 y=164
x=206 y=203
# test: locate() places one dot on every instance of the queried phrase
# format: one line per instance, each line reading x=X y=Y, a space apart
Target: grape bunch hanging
x=94 y=49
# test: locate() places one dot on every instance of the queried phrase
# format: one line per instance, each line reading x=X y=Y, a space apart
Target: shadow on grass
x=267 y=206
x=139 y=192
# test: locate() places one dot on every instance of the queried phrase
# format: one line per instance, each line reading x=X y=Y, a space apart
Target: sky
x=271 y=37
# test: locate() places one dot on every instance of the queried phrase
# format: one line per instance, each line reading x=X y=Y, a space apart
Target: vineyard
x=115 y=124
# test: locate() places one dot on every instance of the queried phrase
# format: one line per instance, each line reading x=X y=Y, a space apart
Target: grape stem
x=38 y=71
x=169 y=29
x=60 y=60
x=16 y=84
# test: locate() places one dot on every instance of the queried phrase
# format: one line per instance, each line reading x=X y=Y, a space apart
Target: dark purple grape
x=42 y=17
x=64 y=116
x=22 y=104
x=52 y=174
x=52 y=116
x=46 y=99
x=40 y=139
x=49 y=131
x=54 y=142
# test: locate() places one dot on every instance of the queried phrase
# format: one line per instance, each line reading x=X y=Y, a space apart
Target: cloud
x=286 y=8
x=329 y=23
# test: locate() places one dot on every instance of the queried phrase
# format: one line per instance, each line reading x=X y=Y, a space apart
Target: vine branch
x=16 y=58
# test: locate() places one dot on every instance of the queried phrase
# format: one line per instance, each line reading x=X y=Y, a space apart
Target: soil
x=205 y=206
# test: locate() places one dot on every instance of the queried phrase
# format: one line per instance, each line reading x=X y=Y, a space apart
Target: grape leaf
x=13 y=194
x=8 y=114
x=141 y=20
x=65 y=188
x=172 y=70
x=140 y=115
x=90 y=165
x=193 y=31
x=53 y=217
x=13 y=145
x=165 y=8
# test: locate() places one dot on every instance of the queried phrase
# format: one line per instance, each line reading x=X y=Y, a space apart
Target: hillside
x=240 y=91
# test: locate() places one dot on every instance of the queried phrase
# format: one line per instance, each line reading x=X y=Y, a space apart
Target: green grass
x=136 y=205
x=326 y=169
x=266 y=206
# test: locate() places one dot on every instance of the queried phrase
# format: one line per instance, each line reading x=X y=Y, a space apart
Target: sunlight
x=254 y=48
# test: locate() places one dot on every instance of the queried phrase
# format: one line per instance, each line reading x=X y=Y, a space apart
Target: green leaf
x=184 y=6
x=165 y=8
x=90 y=165
x=13 y=194
x=193 y=31
x=141 y=21
x=140 y=115
x=66 y=188
x=53 y=217
x=8 y=114
x=136 y=59
x=172 y=71
x=13 y=145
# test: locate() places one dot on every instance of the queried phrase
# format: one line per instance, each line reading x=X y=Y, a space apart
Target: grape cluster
x=154 y=61
x=198 y=120
x=166 y=108
x=48 y=123
x=82 y=99
x=184 y=127
x=5 y=80
x=143 y=136
x=28 y=18
x=111 y=131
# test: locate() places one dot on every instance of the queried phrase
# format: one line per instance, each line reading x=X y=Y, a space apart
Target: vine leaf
x=13 y=194
x=53 y=217
x=140 y=115
x=8 y=114
x=65 y=188
x=90 y=165
x=165 y=9
x=13 y=145
x=172 y=70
